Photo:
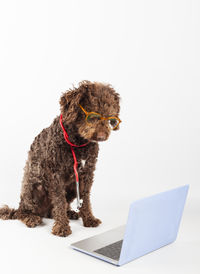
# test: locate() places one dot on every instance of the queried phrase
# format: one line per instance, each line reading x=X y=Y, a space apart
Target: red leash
x=75 y=160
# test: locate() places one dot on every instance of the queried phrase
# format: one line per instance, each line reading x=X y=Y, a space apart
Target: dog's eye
x=113 y=122
x=92 y=118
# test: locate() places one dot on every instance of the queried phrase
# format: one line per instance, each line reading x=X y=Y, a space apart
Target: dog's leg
x=29 y=219
x=86 y=214
x=27 y=211
x=59 y=212
x=29 y=206
x=70 y=196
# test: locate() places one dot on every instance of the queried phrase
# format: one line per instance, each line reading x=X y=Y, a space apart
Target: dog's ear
x=70 y=100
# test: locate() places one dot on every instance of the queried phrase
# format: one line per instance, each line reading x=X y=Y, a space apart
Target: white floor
x=24 y=250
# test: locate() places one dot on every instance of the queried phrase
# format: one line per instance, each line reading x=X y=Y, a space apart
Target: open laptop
x=152 y=222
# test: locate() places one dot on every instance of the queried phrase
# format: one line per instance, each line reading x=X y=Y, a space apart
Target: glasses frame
x=101 y=117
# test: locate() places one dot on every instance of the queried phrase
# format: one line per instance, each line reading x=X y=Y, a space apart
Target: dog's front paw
x=32 y=220
x=61 y=230
x=91 y=222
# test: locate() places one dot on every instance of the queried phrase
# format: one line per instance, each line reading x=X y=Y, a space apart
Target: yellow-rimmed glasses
x=93 y=117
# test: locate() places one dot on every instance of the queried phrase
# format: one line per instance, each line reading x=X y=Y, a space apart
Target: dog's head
x=93 y=108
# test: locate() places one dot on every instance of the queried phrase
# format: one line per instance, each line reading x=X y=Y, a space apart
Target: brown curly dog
x=48 y=185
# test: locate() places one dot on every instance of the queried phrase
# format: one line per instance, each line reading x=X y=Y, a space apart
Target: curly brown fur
x=7 y=213
x=48 y=186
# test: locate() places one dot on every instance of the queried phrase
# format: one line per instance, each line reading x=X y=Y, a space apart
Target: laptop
x=153 y=222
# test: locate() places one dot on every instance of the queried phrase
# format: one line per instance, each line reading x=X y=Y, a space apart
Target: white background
x=149 y=52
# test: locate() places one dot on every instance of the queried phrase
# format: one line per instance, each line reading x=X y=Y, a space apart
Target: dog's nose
x=101 y=136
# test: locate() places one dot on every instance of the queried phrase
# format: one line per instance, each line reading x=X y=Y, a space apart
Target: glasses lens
x=93 y=118
x=113 y=122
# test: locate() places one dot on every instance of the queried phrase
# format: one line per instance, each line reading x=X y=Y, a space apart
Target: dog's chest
x=81 y=158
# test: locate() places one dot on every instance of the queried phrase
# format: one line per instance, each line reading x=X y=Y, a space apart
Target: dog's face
x=98 y=98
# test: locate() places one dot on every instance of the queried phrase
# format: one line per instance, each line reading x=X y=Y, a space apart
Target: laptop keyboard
x=111 y=251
